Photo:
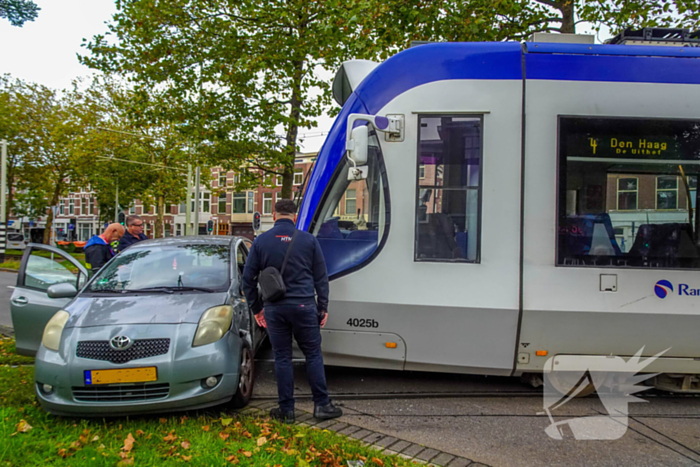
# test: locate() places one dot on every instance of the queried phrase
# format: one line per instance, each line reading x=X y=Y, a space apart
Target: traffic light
x=210 y=226
x=121 y=218
x=256 y=221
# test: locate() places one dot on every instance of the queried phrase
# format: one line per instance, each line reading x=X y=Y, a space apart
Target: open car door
x=42 y=266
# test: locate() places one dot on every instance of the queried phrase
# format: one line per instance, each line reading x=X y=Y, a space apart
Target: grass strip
x=8 y=353
x=217 y=438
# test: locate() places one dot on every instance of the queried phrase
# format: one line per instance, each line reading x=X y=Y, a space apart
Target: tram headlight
x=213 y=325
x=53 y=330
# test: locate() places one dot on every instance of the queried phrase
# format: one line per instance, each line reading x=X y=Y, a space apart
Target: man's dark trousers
x=301 y=321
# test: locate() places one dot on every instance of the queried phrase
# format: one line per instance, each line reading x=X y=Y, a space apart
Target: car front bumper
x=180 y=373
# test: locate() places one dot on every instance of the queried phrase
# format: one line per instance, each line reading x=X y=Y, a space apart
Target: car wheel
x=246 y=378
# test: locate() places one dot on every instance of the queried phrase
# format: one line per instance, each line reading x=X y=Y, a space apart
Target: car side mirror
x=63 y=290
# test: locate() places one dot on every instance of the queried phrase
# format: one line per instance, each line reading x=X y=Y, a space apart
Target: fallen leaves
x=163 y=421
x=205 y=428
x=62 y=453
x=224 y=436
x=185 y=444
x=247 y=453
x=226 y=421
x=379 y=462
x=186 y=458
x=170 y=437
x=183 y=419
x=128 y=443
x=261 y=441
x=232 y=459
x=140 y=433
x=23 y=426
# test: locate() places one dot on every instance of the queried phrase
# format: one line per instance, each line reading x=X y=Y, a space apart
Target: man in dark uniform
x=134 y=232
x=300 y=313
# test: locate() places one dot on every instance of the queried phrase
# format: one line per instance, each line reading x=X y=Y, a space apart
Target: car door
x=31 y=307
x=239 y=303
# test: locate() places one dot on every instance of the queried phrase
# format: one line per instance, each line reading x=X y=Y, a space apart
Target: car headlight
x=53 y=330
x=213 y=325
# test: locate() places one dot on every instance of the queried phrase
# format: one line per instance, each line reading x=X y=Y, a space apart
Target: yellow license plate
x=125 y=375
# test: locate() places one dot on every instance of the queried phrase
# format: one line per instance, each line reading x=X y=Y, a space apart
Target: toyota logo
x=120 y=342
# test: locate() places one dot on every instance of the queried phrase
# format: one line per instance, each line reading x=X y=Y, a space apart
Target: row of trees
x=242 y=78
x=214 y=82
x=63 y=141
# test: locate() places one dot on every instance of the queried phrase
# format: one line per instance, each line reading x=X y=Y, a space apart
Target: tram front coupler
x=357 y=140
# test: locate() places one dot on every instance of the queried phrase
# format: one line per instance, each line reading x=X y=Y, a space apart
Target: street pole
x=188 y=209
x=196 y=201
x=3 y=198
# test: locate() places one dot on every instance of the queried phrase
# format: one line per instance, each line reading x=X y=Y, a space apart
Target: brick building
x=232 y=212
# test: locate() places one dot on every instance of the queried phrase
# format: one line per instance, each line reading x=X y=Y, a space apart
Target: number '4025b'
x=363 y=323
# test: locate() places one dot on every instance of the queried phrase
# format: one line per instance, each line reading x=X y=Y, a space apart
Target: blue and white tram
x=510 y=203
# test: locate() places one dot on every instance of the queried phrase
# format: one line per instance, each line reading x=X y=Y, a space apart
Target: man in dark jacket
x=134 y=232
x=98 y=250
x=300 y=313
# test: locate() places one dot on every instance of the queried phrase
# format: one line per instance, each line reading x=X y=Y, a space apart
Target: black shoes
x=285 y=417
x=326 y=412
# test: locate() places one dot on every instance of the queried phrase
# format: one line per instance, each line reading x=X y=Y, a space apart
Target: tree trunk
x=292 y=131
x=568 y=24
x=159 y=219
x=10 y=191
x=49 y=217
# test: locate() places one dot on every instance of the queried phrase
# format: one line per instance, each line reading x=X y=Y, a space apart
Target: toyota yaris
x=162 y=327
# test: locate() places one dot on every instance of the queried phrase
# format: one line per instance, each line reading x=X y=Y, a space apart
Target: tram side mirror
x=359 y=141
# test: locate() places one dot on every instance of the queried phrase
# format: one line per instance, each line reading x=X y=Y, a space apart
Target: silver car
x=162 y=327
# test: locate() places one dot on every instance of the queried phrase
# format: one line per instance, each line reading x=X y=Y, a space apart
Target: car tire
x=246 y=378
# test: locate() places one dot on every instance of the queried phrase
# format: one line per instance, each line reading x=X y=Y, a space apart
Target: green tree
x=235 y=74
x=118 y=124
x=17 y=12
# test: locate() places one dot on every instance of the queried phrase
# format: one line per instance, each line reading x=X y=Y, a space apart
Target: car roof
x=189 y=240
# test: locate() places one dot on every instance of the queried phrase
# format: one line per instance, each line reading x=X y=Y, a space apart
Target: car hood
x=142 y=309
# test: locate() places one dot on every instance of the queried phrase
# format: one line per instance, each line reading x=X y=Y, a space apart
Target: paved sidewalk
x=380 y=441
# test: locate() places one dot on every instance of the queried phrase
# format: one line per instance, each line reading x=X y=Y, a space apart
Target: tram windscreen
x=628 y=193
x=353 y=218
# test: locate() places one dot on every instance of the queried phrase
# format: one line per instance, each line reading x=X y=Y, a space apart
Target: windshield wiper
x=183 y=288
x=167 y=290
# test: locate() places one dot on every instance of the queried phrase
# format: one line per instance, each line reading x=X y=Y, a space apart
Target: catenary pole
x=188 y=209
x=196 y=200
x=3 y=198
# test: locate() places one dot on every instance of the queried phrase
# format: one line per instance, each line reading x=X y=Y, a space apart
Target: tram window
x=628 y=192
x=449 y=188
x=353 y=218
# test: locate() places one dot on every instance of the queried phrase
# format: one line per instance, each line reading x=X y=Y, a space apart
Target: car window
x=13 y=237
x=45 y=268
x=168 y=266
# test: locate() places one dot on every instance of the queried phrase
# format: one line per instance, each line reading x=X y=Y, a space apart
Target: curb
x=384 y=443
x=7 y=331
x=8 y=270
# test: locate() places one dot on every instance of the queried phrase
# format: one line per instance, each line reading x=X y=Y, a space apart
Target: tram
x=483 y=207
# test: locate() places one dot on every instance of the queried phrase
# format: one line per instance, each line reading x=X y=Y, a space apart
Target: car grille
x=121 y=392
x=101 y=350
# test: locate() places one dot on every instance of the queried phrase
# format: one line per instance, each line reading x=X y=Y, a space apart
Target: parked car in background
x=162 y=327
x=16 y=241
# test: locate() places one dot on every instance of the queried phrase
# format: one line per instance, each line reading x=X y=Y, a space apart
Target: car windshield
x=166 y=269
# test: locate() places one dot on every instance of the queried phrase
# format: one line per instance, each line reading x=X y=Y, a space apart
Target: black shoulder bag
x=270 y=279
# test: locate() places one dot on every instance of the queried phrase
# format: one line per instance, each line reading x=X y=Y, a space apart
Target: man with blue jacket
x=98 y=250
x=301 y=312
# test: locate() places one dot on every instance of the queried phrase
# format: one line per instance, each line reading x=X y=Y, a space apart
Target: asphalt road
x=499 y=421
x=7 y=281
